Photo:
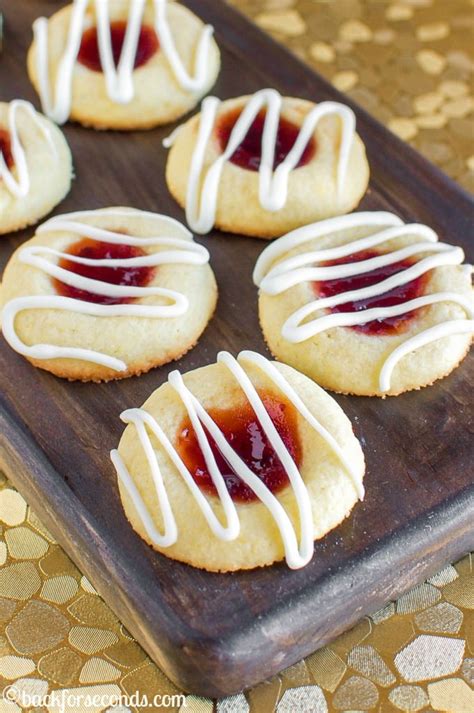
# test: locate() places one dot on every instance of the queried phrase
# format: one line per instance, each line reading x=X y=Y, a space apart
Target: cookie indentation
x=245 y=434
x=396 y=296
x=249 y=153
x=6 y=148
x=89 y=54
x=132 y=276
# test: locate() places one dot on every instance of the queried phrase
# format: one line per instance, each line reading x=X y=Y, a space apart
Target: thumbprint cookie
x=122 y=64
x=366 y=304
x=106 y=294
x=266 y=164
x=31 y=148
x=238 y=465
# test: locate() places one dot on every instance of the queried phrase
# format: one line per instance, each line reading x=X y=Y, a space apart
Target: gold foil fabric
x=408 y=62
x=56 y=633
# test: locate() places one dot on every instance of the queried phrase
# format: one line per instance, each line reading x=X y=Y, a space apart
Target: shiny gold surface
x=56 y=633
x=410 y=64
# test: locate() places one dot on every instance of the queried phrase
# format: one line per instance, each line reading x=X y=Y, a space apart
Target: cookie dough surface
x=158 y=96
x=141 y=342
x=49 y=167
x=312 y=188
x=331 y=490
x=345 y=360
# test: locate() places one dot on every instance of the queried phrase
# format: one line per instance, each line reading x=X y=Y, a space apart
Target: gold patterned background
x=410 y=64
x=56 y=633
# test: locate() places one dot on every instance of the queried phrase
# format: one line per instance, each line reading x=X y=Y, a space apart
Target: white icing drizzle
x=20 y=187
x=297 y=555
x=181 y=251
x=275 y=274
x=119 y=80
x=203 y=188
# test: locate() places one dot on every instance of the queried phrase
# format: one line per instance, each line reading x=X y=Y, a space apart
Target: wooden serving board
x=216 y=634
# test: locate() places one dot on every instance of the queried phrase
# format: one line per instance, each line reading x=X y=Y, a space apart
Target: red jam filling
x=404 y=293
x=89 y=54
x=95 y=250
x=244 y=433
x=249 y=153
x=6 y=148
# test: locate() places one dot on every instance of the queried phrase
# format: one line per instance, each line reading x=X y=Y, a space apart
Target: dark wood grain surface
x=216 y=634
